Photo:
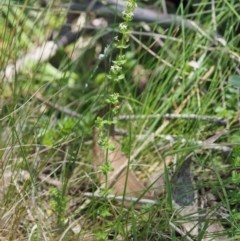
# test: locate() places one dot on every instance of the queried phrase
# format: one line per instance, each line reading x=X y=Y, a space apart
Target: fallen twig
x=143 y=14
x=120 y=198
x=218 y=120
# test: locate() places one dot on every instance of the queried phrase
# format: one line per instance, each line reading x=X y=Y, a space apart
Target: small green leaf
x=104 y=212
x=106 y=168
x=234 y=80
x=235 y=177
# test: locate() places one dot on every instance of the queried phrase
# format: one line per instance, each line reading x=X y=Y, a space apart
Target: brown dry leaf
x=156 y=181
x=192 y=225
x=120 y=176
x=192 y=208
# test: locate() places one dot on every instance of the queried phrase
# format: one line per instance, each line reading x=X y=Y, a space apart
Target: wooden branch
x=114 y=8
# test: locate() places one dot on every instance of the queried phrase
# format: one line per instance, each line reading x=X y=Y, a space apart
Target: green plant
x=115 y=75
x=58 y=203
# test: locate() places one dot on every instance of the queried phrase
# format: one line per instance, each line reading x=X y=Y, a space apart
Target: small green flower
x=115 y=69
x=127 y=16
x=106 y=168
x=123 y=28
x=99 y=123
x=121 y=60
x=113 y=99
x=105 y=144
